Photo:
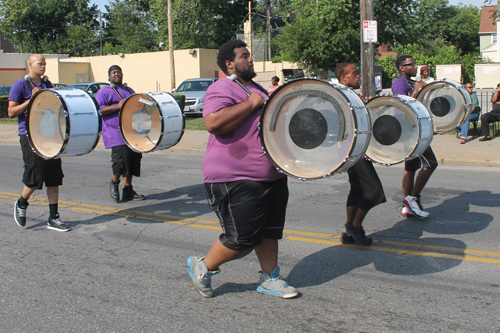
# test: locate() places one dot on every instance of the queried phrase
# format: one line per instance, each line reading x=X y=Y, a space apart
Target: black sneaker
x=20 y=214
x=346 y=239
x=486 y=138
x=358 y=234
x=57 y=224
x=128 y=193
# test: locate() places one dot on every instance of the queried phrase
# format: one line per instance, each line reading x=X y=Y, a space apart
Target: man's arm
x=112 y=108
x=227 y=119
x=16 y=109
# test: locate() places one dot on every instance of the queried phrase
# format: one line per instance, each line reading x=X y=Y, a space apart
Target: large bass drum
x=310 y=129
x=448 y=102
x=150 y=122
x=401 y=129
x=62 y=122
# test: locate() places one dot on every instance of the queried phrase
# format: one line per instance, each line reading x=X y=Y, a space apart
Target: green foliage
x=181 y=98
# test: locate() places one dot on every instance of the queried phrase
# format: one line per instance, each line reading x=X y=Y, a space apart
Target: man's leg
x=422 y=178
x=408 y=180
x=219 y=254
x=267 y=252
x=465 y=130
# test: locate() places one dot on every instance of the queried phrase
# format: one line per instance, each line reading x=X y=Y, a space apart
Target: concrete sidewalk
x=447 y=148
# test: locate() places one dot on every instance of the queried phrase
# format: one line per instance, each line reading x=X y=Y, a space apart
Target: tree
x=47 y=26
x=130 y=27
x=206 y=24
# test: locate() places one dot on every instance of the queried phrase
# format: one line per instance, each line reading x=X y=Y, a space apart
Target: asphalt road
x=123 y=267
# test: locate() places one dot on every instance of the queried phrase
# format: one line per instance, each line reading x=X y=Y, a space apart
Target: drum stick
x=234 y=78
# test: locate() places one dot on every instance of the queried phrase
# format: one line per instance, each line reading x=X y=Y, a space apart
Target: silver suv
x=194 y=90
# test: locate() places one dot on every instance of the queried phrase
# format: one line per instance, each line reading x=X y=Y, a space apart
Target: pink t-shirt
x=236 y=155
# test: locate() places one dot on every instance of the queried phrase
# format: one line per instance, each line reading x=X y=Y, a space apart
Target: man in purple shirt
x=125 y=162
x=247 y=193
x=36 y=169
x=403 y=85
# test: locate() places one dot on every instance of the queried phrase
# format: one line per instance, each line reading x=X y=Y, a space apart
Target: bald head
x=36 y=64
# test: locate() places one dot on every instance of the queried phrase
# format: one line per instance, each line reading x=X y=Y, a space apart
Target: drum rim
x=156 y=147
x=457 y=85
x=68 y=128
x=266 y=152
x=403 y=98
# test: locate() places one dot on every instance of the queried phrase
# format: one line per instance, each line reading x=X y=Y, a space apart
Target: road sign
x=370 y=32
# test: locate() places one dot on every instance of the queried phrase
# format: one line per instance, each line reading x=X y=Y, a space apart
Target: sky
x=477 y=3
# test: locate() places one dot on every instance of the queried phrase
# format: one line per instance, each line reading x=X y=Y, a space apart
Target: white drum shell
x=456 y=95
x=333 y=155
x=166 y=122
x=414 y=115
x=79 y=130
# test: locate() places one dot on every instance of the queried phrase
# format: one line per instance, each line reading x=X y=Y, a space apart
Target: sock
x=53 y=211
x=23 y=202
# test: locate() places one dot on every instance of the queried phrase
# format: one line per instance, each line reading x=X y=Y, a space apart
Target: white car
x=194 y=90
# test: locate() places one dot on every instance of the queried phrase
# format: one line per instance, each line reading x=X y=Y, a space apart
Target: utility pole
x=367 y=52
x=268 y=12
x=100 y=32
x=250 y=24
x=171 y=46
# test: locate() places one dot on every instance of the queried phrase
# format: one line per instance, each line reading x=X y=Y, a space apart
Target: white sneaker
x=405 y=212
x=412 y=204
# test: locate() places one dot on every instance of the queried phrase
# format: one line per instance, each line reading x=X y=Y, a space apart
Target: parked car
x=5 y=90
x=194 y=90
x=92 y=88
x=59 y=85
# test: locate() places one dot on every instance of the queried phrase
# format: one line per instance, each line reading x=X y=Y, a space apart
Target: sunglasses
x=413 y=64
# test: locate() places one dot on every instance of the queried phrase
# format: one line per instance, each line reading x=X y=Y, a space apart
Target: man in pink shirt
x=246 y=192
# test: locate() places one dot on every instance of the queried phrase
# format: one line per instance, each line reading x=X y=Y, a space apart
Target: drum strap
x=116 y=91
x=260 y=87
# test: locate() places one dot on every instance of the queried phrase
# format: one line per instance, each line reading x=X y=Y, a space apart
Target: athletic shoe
x=113 y=190
x=405 y=212
x=20 y=214
x=346 y=239
x=412 y=204
x=273 y=285
x=57 y=224
x=201 y=276
x=128 y=193
x=358 y=234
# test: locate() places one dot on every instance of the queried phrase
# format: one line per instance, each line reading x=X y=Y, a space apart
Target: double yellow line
x=294 y=235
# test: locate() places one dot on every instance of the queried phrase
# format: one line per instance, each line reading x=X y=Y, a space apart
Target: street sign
x=370 y=32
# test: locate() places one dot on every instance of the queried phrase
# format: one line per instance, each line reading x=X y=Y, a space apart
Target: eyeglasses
x=413 y=64
x=468 y=87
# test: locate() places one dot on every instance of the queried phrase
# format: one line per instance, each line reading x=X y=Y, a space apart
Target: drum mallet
x=234 y=78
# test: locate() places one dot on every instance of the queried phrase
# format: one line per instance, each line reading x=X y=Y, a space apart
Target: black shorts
x=427 y=159
x=366 y=187
x=249 y=211
x=38 y=170
x=126 y=162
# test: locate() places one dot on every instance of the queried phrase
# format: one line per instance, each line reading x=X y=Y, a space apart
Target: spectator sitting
x=476 y=110
x=492 y=116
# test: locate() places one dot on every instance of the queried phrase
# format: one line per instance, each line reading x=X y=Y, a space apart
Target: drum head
x=395 y=130
x=447 y=103
x=140 y=123
x=46 y=123
x=307 y=128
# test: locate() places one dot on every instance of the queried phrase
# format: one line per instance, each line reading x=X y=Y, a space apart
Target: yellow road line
x=157 y=217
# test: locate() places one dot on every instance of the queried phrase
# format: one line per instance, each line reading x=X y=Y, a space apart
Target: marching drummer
x=403 y=85
x=244 y=189
x=37 y=170
x=125 y=162
x=366 y=187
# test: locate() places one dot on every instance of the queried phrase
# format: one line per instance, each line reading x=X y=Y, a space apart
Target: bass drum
x=310 y=129
x=401 y=129
x=448 y=102
x=150 y=122
x=62 y=122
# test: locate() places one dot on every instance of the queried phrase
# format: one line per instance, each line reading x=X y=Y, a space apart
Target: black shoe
x=113 y=190
x=20 y=214
x=128 y=193
x=486 y=138
x=346 y=239
x=57 y=225
x=358 y=234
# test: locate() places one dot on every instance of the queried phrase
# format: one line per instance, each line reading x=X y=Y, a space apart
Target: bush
x=4 y=103
x=181 y=98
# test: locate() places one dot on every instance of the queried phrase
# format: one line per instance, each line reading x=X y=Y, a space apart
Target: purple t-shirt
x=20 y=93
x=236 y=155
x=106 y=96
x=401 y=87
